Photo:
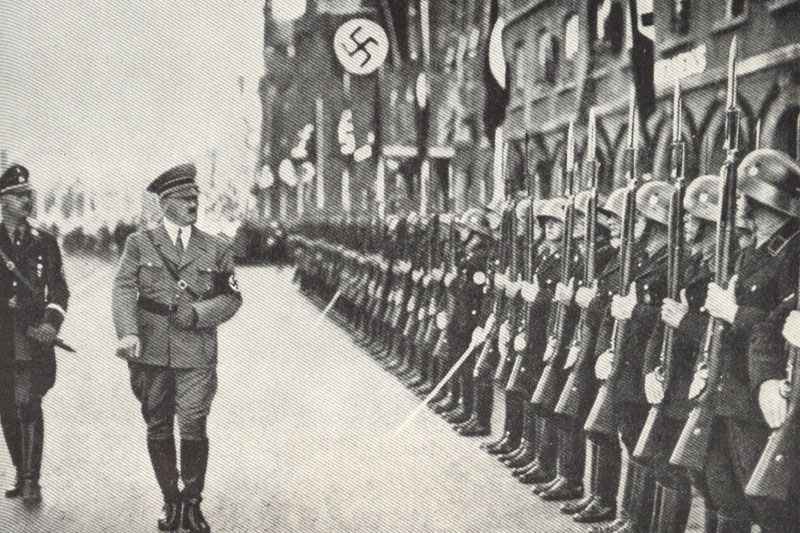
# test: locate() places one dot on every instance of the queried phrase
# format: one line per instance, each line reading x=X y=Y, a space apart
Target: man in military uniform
x=33 y=302
x=174 y=286
x=750 y=399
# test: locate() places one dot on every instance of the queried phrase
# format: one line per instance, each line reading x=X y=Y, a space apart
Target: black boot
x=671 y=513
x=482 y=412
x=727 y=524
x=32 y=443
x=194 y=461
x=589 y=480
x=513 y=426
x=163 y=459
x=13 y=438
x=568 y=468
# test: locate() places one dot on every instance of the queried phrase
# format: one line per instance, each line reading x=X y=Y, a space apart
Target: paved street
x=302 y=436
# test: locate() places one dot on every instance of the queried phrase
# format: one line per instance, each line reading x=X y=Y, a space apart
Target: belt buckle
x=182 y=284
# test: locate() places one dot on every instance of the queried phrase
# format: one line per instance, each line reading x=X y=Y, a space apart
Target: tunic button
x=645 y=286
x=754 y=288
x=474 y=312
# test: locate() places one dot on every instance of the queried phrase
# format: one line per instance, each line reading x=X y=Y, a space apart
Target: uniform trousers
x=165 y=393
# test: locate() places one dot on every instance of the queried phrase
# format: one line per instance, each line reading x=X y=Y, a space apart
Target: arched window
x=681 y=9
x=609 y=27
x=547 y=57
x=518 y=63
x=571 y=36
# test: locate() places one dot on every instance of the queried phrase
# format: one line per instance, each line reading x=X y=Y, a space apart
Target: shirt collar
x=172 y=231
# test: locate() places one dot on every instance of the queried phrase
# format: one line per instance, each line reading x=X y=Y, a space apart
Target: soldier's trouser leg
x=195 y=390
x=11 y=427
x=725 y=493
x=673 y=498
x=570 y=462
x=638 y=507
x=154 y=387
x=31 y=383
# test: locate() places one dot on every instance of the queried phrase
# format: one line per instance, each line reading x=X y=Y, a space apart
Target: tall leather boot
x=512 y=433
x=568 y=468
x=643 y=496
x=194 y=461
x=625 y=500
x=589 y=479
x=672 y=509
x=163 y=459
x=467 y=397
x=727 y=524
x=32 y=444
x=528 y=449
x=481 y=421
x=13 y=438
x=604 y=485
x=545 y=454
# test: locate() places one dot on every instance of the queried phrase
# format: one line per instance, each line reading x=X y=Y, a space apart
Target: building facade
x=565 y=57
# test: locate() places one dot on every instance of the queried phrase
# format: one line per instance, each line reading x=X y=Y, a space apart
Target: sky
x=112 y=92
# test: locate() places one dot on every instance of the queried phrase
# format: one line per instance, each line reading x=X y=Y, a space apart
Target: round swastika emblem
x=361 y=46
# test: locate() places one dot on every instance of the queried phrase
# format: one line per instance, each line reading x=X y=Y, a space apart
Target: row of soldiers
x=643 y=344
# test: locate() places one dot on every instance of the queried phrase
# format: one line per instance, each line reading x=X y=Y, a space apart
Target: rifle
x=548 y=388
x=602 y=418
x=513 y=312
x=574 y=390
x=494 y=313
x=659 y=382
x=690 y=451
x=772 y=476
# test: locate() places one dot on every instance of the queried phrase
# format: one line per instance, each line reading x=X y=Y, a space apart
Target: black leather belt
x=152 y=306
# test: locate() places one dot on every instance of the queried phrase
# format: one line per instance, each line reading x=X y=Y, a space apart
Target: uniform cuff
x=54 y=315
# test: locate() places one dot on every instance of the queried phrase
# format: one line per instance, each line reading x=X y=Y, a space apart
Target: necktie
x=179 y=243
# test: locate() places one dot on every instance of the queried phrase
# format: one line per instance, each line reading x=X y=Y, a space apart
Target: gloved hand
x=44 y=333
x=773 y=405
x=129 y=346
x=185 y=316
x=622 y=306
x=672 y=312
x=585 y=295
x=721 y=303
x=791 y=328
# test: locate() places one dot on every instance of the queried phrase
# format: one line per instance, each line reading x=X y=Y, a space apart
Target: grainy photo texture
x=401 y=266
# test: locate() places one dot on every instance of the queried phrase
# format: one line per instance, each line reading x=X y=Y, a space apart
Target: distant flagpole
x=424 y=104
x=319 y=127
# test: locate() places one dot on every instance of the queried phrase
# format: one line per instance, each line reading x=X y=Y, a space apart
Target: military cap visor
x=174 y=180
x=15 y=178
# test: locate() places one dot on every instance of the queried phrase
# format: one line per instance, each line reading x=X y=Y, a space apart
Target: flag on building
x=643 y=55
x=495 y=74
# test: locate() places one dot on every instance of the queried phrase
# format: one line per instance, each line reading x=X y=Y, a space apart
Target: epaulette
x=779 y=241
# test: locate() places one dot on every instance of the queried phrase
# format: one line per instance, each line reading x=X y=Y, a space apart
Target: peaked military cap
x=15 y=178
x=652 y=200
x=772 y=178
x=176 y=179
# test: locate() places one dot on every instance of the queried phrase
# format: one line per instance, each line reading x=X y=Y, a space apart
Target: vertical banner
x=424 y=181
x=499 y=166
x=346 y=190
x=300 y=198
x=320 y=139
x=380 y=185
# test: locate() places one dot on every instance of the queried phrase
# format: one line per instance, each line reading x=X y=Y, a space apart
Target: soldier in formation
x=643 y=345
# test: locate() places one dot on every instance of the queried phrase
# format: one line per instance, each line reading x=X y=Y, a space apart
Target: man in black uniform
x=33 y=302
x=750 y=394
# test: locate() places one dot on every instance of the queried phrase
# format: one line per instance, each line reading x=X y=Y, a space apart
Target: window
x=737 y=8
x=548 y=57
x=518 y=61
x=681 y=10
x=571 y=36
x=609 y=30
